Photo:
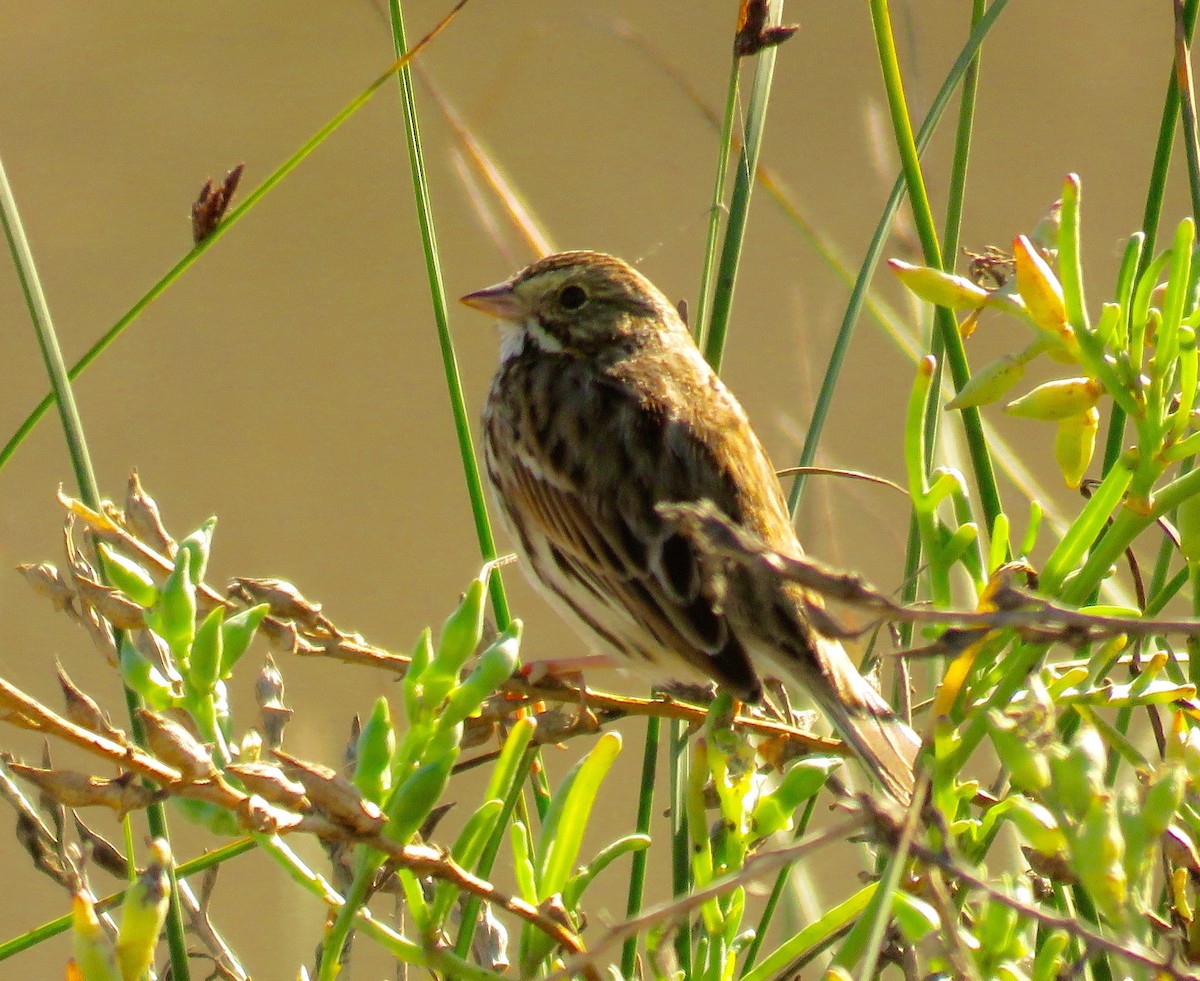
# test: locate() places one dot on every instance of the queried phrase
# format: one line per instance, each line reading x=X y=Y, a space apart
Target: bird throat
x=517 y=339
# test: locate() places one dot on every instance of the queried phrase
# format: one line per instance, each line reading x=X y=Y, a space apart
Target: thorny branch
x=1032 y=617
x=255 y=814
x=299 y=627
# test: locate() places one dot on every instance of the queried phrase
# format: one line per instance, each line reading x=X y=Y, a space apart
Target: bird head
x=576 y=302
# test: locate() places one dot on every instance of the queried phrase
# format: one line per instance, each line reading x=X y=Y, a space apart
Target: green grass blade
x=724 y=149
x=875 y=249
x=89 y=491
x=437 y=294
x=739 y=202
x=985 y=477
x=637 y=872
x=681 y=855
x=234 y=215
x=39 y=314
x=1187 y=106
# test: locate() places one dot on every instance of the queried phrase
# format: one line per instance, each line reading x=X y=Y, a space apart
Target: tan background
x=290 y=383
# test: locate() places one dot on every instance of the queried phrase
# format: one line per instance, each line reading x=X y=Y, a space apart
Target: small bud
x=283 y=600
x=375 y=748
x=177 y=747
x=1074 y=445
x=236 y=634
x=143 y=520
x=174 y=617
x=774 y=811
x=461 y=632
x=111 y=604
x=496 y=665
x=1045 y=233
x=334 y=794
x=94 y=956
x=1163 y=797
x=414 y=691
x=199 y=543
x=47 y=581
x=84 y=711
x=127 y=576
x=1078 y=774
x=416 y=796
x=1097 y=859
x=73 y=789
x=143 y=677
x=940 y=288
x=271 y=784
x=1041 y=290
x=1038 y=826
x=144 y=912
x=213 y=201
x=1057 y=400
x=989 y=383
x=204 y=664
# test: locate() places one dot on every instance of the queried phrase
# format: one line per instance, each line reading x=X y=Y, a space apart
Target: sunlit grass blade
x=739 y=201
x=89 y=492
x=725 y=148
x=437 y=294
x=1185 y=83
x=637 y=872
x=230 y=219
x=906 y=145
x=520 y=214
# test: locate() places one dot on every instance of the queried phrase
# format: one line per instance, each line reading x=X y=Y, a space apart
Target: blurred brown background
x=291 y=384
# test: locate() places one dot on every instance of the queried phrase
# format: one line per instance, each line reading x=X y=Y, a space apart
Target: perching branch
x=1013 y=608
x=253 y=813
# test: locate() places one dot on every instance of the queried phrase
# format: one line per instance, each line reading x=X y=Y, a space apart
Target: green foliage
x=1093 y=729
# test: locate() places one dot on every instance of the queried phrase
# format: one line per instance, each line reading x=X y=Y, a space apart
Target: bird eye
x=572 y=297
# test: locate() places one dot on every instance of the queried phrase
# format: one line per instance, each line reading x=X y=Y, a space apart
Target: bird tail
x=885 y=744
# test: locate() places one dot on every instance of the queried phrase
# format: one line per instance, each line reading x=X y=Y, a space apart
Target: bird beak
x=500 y=301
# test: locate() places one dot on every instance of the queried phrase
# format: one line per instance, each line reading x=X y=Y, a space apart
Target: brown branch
x=609 y=707
x=1015 y=609
x=327 y=641
x=255 y=814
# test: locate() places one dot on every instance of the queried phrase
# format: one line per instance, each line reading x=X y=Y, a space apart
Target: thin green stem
x=985 y=477
x=861 y=290
x=89 y=492
x=437 y=294
x=1152 y=212
x=470 y=914
x=645 y=810
x=222 y=227
x=950 y=235
x=39 y=315
x=739 y=202
x=31 y=938
x=772 y=903
x=681 y=864
x=724 y=149
x=401 y=948
x=1187 y=104
x=962 y=147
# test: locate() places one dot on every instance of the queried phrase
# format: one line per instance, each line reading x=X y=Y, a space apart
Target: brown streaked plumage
x=603 y=408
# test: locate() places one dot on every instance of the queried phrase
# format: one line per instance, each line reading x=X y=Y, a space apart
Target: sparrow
x=602 y=410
